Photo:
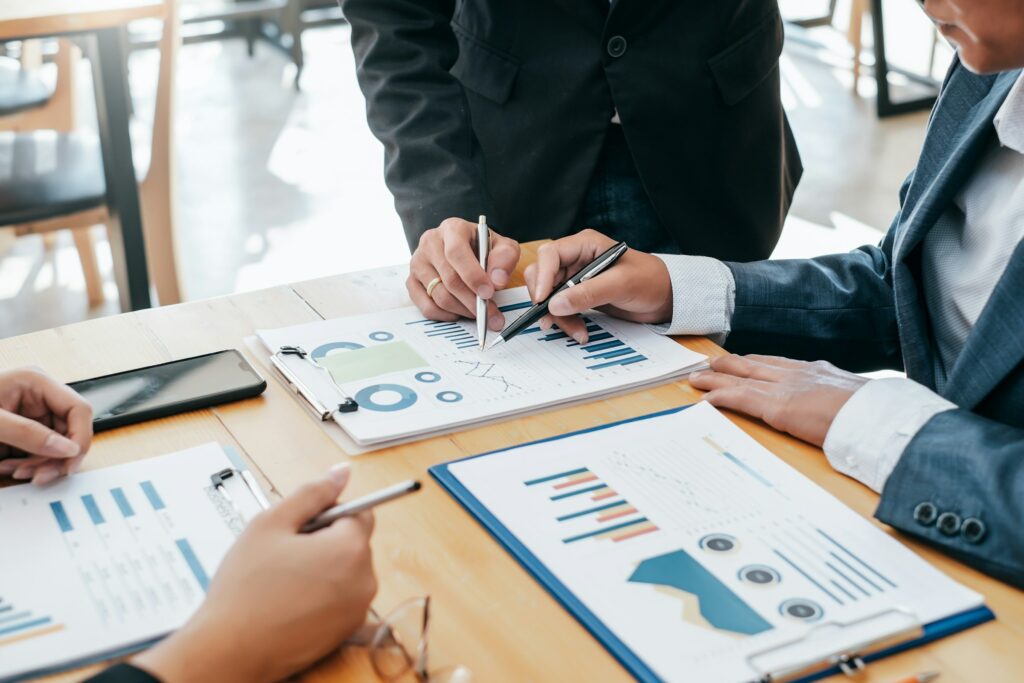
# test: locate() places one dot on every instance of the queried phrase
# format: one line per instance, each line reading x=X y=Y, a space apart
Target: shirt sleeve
x=871 y=431
x=123 y=673
x=703 y=297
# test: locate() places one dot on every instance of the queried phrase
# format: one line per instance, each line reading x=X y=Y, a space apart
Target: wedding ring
x=431 y=285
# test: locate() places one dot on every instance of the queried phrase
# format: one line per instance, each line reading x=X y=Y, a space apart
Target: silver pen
x=354 y=507
x=483 y=243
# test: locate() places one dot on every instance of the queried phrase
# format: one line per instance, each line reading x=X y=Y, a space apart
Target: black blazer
x=501 y=107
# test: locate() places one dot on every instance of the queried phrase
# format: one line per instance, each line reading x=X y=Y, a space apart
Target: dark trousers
x=617 y=204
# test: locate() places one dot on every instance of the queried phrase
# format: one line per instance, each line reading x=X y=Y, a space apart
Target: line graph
x=482 y=370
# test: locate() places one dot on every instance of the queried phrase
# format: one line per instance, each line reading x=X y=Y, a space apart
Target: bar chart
x=604 y=514
x=19 y=624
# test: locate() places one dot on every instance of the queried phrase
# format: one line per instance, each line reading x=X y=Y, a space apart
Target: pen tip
x=495 y=342
x=928 y=676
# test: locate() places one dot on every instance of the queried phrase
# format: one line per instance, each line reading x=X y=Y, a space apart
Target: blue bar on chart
x=93 y=509
x=617 y=361
x=602 y=346
x=453 y=332
x=63 y=521
x=611 y=354
x=122 y=502
x=193 y=562
x=154 y=498
x=25 y=626
x=552 y=477
x=515 y=307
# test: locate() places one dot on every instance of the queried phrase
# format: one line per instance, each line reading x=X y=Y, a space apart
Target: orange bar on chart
x=31 y=634
x=615 y=513
x=604 y=494
x=633 y=532
x=577 y=479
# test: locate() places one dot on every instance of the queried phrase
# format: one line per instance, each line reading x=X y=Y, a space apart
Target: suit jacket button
x=973 y=530
x=616 y=46
x=925 y=514
x=948 y=523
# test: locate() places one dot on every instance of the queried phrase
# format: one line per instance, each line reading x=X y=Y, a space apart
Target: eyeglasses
x=399 y=642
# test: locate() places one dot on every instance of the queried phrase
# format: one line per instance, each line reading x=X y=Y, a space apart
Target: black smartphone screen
x=170 y=388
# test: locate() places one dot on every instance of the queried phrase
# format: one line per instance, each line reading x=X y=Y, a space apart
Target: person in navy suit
x=942 y=298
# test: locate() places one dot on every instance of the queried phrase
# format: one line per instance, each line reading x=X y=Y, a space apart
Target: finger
x=709 y=380
x=741 y=398
x=24 y=472
x=73 y=465
x=604 y=289
x=495 y=318
x=744 y=366
x=574 y=326
x=427 y=306
x=46 y=474
x=778 y=361
x=453 y=282
x=358 y=527
x=310 y=499
x=502 y=259
x=459 y=253
x=35 y=438
x=67 y=408
x=552 y=261
x=443 y=297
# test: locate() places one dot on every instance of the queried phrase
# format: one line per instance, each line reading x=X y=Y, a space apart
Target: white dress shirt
x=964 y=257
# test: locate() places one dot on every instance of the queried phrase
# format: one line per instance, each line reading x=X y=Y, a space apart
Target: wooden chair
x=69 y=192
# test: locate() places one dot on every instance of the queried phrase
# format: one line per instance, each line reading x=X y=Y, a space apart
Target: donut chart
x=371 y=399
x=381 y=336
x=428 y=377
x=324 y=349
x=449 y=397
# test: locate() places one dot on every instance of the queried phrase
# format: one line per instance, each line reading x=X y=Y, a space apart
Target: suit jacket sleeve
x=123 y=673
x=838 y=308
x=433 y=166
x=972 y=467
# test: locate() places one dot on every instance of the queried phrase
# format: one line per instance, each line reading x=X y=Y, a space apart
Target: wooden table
x=105 y=19
x=488 y=613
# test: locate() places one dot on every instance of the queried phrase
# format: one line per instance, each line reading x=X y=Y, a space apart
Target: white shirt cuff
x=871 y=431
x=703 y=297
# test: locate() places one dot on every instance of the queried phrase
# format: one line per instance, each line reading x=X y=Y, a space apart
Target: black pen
x=332 y=515
x=592 y=269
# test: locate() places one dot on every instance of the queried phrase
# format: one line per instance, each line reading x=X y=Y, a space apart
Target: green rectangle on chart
x=372 y=361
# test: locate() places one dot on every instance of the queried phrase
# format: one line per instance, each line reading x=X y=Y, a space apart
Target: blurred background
x=250 y=143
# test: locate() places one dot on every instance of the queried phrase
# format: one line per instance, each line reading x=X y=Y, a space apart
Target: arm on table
x=972 y=467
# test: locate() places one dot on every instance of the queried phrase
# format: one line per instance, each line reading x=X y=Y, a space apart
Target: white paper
x=109 y=559
x=709 y=549
x=442 y=379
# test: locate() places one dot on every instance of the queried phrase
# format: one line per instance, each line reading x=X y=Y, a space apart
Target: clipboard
x=851 y=661
x=236 y=497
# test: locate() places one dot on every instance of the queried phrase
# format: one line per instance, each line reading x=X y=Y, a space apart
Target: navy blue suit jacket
x=865 y=311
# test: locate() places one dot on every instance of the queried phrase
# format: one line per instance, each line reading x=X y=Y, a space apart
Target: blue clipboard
x=636 y=666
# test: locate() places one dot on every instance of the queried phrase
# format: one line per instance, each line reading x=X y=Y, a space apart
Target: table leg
x=113 y=115
x=884 y=103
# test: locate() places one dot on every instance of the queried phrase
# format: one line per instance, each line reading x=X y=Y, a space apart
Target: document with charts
x=107 y=561
x=697 y=555
x=412 y=377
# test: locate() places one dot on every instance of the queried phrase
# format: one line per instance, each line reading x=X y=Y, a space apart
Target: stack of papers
x=414 y=377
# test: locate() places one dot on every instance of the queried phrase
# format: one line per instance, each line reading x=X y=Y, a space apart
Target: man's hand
x=449 y=252
x=790 y=395
x=636 y=288
x=281 y=600
x=45 y=427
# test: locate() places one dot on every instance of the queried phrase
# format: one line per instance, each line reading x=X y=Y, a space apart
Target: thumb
x=502 y=260
x=311 y=498
x=593 y=293
x=35 y=438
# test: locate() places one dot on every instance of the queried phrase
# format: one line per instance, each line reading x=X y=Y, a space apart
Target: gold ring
x=432 y=285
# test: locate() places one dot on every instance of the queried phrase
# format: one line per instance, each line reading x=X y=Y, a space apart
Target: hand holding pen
x=637 y=288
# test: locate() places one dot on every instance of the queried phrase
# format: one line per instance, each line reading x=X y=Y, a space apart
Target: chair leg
x=857 y=10
x=90 y=267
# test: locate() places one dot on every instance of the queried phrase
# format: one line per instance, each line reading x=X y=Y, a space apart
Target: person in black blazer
x=314 y=590
x=656 y=121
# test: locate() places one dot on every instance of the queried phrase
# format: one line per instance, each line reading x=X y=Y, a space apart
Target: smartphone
x=170 y=388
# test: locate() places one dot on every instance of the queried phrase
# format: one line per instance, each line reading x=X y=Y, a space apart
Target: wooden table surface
x=30 y=18
x=488 y=614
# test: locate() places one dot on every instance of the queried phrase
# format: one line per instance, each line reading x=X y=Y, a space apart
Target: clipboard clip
x=348 y=405
x=219 y=478
x=900 y=626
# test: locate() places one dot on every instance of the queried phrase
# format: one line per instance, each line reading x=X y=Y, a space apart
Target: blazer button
x=973 y=530
x=925 y=514
x=948 y=523
x=616 y=46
